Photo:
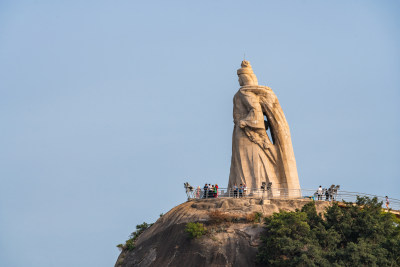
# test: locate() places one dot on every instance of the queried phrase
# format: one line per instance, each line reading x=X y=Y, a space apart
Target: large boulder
x=232 y=239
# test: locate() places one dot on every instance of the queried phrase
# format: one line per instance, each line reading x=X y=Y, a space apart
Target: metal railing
x=284 y=193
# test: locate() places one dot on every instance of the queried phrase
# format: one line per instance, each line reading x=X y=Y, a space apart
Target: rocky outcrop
x=232 y=242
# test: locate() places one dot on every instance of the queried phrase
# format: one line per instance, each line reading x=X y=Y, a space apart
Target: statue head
x=246 y=74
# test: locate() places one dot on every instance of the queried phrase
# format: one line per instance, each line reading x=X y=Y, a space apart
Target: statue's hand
x=242 y=124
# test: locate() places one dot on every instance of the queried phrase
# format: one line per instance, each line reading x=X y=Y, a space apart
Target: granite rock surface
x=234 y=243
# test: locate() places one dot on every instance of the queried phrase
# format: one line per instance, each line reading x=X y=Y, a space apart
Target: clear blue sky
x=107 y=107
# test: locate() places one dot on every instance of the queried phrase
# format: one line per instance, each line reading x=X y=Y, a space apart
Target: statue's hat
x=245 y=69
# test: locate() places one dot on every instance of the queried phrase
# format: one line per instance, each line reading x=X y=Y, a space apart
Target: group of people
x=330 y=193
x=209 y=191
x=239 y=191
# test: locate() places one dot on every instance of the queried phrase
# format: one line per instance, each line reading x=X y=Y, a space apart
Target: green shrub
x=140 y=228
x=255 y=217
x=195 y=230
x=258 y=217
x=355 y=235
x=130 y=243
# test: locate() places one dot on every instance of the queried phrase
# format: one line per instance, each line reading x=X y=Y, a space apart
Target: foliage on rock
x=359 y=234
x=255 y=217
x=130 y=243
x=195 y=230
x=217 y=217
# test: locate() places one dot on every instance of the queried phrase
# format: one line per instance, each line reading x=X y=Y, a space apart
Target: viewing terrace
x=340 y=196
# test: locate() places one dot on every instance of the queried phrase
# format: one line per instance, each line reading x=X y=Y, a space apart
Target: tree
x=358 y=234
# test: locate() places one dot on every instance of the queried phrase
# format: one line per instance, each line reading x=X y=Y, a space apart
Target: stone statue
x=255 y=157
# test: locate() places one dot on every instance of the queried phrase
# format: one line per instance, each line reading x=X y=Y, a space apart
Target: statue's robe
x=256 y=158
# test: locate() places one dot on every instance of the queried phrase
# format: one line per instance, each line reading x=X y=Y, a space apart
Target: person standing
x=216 y=190
x=387 y=202
x=235 y=191
x=320 y=193
x=198 y=190
x=205 y=191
